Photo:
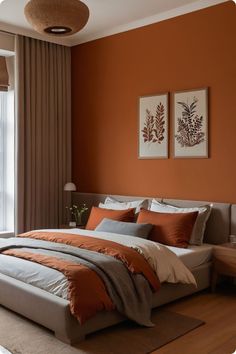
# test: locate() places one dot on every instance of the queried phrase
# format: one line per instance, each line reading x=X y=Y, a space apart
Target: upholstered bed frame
x=53 y=312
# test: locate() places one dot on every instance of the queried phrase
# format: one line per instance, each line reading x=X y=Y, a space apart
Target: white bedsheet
x=194 y=256
x=35 y=274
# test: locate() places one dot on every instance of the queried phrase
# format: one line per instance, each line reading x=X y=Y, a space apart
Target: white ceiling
x=106 y=17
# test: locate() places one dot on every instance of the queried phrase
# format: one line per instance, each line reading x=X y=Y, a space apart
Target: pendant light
x=57 y=17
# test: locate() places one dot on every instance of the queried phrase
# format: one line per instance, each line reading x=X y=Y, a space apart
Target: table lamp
x=70 y=187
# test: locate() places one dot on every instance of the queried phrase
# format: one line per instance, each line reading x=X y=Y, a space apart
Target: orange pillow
x=98 y=214
x=168 y=228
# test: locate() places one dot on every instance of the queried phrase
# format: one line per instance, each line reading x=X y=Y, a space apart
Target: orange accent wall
x=108 y=75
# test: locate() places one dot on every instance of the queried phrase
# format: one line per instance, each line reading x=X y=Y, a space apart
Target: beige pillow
x=200 y=223
x=111 y=203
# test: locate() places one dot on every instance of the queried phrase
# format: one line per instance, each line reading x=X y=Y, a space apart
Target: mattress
x=194 y=256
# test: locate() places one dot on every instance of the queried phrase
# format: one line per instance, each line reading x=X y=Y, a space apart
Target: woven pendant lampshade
x=57 y=17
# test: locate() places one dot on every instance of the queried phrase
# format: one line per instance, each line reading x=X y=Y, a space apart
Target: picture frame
x=153 y=134
x=190 y=123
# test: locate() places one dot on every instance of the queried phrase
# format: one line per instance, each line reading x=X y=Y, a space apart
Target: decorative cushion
x=172 y=229
x=200 y=224
x=98 y=214
x=112 y=203
x=124 y=228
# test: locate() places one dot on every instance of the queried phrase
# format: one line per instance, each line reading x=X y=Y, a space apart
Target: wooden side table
x=66 y=226
x=224 y=262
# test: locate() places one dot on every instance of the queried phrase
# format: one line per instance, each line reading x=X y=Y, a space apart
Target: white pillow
x=200 y=223
x=111 y=203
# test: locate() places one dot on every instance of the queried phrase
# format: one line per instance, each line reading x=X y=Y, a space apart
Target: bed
x=53 y=311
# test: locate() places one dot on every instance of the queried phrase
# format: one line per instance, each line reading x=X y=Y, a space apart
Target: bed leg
x=65 y=339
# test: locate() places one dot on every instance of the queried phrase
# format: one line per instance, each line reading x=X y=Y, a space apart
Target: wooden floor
x=218 y=335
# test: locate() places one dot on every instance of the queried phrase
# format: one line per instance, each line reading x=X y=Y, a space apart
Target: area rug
x=21 y=336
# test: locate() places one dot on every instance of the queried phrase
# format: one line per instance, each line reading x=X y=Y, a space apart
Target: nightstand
x=66 y=226
x=224 y=262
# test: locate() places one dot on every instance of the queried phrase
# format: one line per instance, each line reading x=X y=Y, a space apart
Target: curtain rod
x=7 y=32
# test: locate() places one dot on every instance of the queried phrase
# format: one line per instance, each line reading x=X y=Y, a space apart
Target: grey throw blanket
x=130 y=293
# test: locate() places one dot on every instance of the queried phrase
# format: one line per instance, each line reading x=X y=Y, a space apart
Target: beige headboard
x=233 y=219
x=218 y=225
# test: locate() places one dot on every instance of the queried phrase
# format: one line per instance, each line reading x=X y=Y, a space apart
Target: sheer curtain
x=43 y=94
x=3 y=112
x=6 y=145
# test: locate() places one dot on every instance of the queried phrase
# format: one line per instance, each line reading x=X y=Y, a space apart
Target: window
x=6 y=161
x=2 y=143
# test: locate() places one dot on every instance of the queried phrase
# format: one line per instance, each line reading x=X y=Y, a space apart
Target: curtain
x=43 y=132
x=4 y=78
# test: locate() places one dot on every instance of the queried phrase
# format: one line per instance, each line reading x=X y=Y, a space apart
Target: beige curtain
x=43 y=95
x=4 y=78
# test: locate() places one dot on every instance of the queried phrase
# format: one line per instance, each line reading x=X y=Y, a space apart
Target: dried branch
x=148 y=127
x=159 y=124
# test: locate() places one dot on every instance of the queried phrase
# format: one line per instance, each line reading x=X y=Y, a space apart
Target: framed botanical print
x=153 y=127
x=191 y=123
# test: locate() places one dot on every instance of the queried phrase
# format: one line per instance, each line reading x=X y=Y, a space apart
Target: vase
x=72 y=224
x=78 y=219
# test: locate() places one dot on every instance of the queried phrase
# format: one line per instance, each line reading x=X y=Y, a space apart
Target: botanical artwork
x=153 y=126
x=190 y=122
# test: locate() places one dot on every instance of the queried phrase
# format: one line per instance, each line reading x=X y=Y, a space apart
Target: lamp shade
x=57 y=17
x=70 y=187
